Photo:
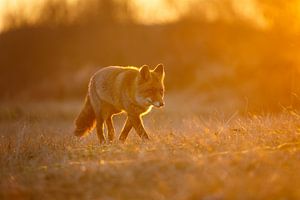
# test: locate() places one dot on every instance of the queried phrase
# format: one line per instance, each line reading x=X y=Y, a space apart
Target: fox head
x=150 y=86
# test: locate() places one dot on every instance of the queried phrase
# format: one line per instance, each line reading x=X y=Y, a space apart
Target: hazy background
x=244 y=53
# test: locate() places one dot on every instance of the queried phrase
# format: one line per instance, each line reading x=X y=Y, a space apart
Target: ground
x=206 y=155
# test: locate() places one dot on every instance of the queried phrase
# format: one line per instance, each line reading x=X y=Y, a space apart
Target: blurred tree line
x=55 y=57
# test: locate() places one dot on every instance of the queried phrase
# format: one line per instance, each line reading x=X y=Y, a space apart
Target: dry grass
x=201 y=156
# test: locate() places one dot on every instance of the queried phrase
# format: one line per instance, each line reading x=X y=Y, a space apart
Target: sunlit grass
x=246 y=157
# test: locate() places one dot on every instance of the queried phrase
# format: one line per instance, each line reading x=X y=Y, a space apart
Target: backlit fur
x=116 y=89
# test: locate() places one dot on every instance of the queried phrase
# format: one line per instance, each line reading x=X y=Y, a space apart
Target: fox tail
x=85 y=120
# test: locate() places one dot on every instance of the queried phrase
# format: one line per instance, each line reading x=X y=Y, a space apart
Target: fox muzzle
x=158 y=104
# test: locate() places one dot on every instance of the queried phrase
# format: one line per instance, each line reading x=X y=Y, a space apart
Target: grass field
x=230 y=128
x=193 y=154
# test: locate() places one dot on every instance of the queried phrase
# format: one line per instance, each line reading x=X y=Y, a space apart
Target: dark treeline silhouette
x=55 y=57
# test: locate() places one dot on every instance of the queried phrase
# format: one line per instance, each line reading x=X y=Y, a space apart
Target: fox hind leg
x=100 y=128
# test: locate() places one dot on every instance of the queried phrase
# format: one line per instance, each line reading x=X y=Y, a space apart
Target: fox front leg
x=126 y=129
x=139 y=127
x=110 y=129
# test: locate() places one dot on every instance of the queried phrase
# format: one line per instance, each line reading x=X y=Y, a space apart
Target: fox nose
x=159 y=104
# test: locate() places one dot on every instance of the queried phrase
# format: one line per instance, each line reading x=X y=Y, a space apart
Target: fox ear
x=159 y=69
x=145 y=72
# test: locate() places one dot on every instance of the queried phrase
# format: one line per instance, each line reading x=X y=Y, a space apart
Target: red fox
x=116 y=89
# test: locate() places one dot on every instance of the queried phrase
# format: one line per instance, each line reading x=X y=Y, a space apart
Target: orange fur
x=121 y=89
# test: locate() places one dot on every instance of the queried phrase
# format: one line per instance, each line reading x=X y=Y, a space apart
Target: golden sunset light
x=154 y=11
x=150 y=99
